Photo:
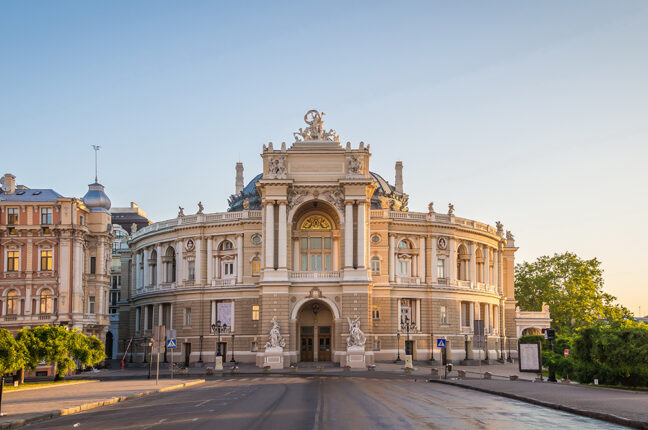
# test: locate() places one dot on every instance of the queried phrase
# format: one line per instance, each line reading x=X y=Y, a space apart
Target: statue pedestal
x=273 y=357
x=218 y=364
x=355 y=357
x=408 y=362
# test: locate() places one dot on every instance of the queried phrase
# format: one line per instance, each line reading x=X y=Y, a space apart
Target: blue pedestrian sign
x=441 y=343
x=171 y=343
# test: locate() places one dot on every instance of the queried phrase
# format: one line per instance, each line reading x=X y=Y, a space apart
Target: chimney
x=8 y=183
x=399 y=177
x=239 y=177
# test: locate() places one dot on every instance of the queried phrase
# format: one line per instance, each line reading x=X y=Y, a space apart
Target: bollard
x=462 y=374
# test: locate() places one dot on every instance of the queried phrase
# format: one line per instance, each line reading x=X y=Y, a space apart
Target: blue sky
x=532 y=113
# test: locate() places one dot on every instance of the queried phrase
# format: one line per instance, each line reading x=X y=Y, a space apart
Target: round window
x=256 y=239
x=375 y=238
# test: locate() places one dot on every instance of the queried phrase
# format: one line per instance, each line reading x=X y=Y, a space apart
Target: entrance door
x=306 y=344
x=324 y=338
x=187 y=351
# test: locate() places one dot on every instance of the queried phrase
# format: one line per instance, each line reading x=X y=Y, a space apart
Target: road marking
x=318 y=410
x=202 y=403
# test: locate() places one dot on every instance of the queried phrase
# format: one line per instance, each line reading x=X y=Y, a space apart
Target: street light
x=201 y=342
x=398 y=359
x=217 y=329
x=407 y=325
x=232 y=360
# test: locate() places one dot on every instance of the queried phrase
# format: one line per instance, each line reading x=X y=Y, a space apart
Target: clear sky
x=532 y=113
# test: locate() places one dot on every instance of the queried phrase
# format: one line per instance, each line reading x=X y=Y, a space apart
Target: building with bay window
x=313 y=239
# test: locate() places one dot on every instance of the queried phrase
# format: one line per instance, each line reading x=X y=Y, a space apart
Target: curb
x=590 y=414
x=87 y=406
x=22 y=390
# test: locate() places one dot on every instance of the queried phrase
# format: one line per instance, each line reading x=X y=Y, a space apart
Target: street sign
x=441 y=343
x=566 y=353
x=171 y=344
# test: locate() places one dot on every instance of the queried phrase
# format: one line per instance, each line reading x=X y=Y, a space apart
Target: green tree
x=12 y=353
x=571 y=286
x=58 y=345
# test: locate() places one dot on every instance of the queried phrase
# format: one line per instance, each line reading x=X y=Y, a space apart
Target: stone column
x=486 y=271
x=418 y=315
x=473 y=264
x=198 y=266
x=398 y=315
x=283 y=237
x=179 y=262
x=210 y=260
x=433 y=260
x=422 y=259
x=269 y=236
x=336 y=253
x=392 y=249
x=348 y=235
x=213 y=312
x=171 y=316
x=146 y=318
x=496 y=269
x=239 y=259
x=487 y=318
x=145 y=256
x=452 y=270
x=160 y=314
x=362 y=235
x=472 y=316
x=158 y=265
x=296 y=263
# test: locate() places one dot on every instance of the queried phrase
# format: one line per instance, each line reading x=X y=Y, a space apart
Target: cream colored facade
x=313 y=240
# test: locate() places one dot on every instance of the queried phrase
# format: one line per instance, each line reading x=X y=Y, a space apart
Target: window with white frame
x=375 y=265
x=13 y=261
x=13 y=303
x=441 y=268
x=187 y=317
x=46 y=302
x=255 y=312
x=228 y=269
x=191 y=270
x=375 y=313
x=256 y=266
x=444 y=315
x=12 y=216
x=91 y=304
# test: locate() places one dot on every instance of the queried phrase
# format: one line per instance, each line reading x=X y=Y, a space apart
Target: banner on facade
x=224 y=313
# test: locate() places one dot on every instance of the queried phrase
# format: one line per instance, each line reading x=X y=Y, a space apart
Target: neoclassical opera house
x=314 y=241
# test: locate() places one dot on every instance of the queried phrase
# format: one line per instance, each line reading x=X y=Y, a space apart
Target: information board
x=530 y=357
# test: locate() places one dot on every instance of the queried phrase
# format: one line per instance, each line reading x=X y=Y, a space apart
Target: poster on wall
x=530 y=357
x=224 y=313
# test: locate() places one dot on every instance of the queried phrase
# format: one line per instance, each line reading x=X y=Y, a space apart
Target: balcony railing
x=223 y=282
x=408 y=280
x=307 y=276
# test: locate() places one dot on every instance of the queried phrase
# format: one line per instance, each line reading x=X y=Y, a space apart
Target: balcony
x=223 y=282
x=408 y=280
x=332 y=275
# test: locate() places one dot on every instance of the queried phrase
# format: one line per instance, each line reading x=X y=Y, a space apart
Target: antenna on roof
x=96 y=149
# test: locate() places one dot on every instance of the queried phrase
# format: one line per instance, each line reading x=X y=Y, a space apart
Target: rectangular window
x=304 y=262
x=444 y=316
x=13 y=260
x=191 y=270
x=255 y=312
x=256 y=268
x=46 y=260
x=46 y=216
x=229 y=269
x=187 y=317
x=375 y=313
x=81 y=220
x=316 y=243
x=93 y=265
x=441 y=268
x=304 y=244
x=91 y=304
x=376 y=345
x=12 y=216
x=328 y=262
x=403 y=268
x=327 y=243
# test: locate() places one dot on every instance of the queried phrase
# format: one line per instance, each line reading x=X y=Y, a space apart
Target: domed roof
x=385 y=196
x=96 y=199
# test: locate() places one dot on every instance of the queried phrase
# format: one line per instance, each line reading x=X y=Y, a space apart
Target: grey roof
x=30 y=195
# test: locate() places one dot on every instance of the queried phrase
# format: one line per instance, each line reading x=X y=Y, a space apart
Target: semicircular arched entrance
x=315 y=330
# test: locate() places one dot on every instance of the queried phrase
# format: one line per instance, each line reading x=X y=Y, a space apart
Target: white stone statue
x=275 y=339
x=277 y=167
x=315 y=129
x=354 y=166
x=450 y=209
x=356 y=336
x=431 y=208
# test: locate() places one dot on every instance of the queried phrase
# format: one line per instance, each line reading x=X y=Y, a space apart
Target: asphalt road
x=316 y=403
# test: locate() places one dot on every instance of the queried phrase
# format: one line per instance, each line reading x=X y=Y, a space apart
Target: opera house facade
x=312 y=245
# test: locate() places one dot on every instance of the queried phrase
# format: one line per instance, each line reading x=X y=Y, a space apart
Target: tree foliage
x=12 y=353
x=571 y=286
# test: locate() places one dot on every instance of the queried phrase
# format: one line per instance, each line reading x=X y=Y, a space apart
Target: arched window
x=153 y=265
x=46 y=303
x=375 y=265
x=315 y=244
x=404 y=258
x=462 y=263
x=12 y=302
x=256 y=266
x=226 y=245
x=170 y=264
x=479 y=259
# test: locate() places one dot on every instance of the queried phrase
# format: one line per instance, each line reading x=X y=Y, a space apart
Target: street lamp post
x=217 y=329
x=398 y=359
x=200 y=360
x=233 y=360
x=409 y=350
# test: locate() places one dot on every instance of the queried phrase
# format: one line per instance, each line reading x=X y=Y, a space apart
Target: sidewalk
x=23 y=407
x=624 y=407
